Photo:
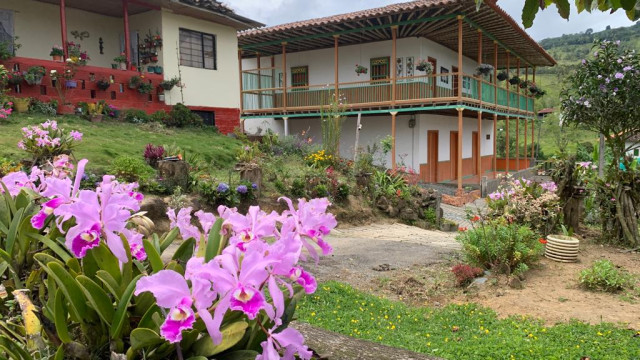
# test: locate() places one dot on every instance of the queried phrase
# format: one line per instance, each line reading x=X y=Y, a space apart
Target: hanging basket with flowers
x=424 y=65
x=514 y=80
x=484 y=69
x=361 y=69
x=502 y=76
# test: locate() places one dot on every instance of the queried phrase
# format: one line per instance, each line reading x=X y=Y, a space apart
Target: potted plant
x=134 y=82
x=103 y=84
x=424 y=65
x=484 y=69
x=57 y=52
x=15 y=77
x=21 y=105
x=361 y=69
x=525 y=84
x=151 y=69
x=121 y=60
x=502 y=76
x=167 y=85
x=34 y=75
x=76 y=55
x=95 y=111
x=145 y=88
x=157 y=40
x=159 y=70
x=514 y=80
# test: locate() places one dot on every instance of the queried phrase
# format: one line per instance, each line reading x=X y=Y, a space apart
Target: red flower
x=542 y=241
x=399 y=192
x=475 y=218
x=462 y=229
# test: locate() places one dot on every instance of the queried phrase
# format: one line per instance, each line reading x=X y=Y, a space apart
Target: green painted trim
x=488 y=34
x=367 y=112
x=350 y=31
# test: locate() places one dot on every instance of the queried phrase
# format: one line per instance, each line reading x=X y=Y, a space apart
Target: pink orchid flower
x=288 y=340
x=311 y=222
x=250 y=228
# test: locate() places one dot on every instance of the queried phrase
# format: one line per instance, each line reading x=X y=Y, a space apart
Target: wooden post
x=507 y=83
x=526 y=122
x=335 y=66
x=355 y=151
x=259 y=79
x=480 y=76
x=479 y=159
x=393 y=138
x=127 y=35
x=459 y=169
x=495 y=79
x=63 y=28
x=393 y=65
x=241 y=84
x=495 y=135
x=526 y=136
x=506 y=168
x=533 y=138
x=517 y=144
x=284 y=75
x=460 y=59
x=518 y=88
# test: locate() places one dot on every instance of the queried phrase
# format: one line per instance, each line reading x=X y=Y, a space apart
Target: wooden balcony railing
x=260 y=95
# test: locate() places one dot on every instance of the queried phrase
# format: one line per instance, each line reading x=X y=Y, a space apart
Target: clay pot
x=21 y=105
x=57 y=58
x=97 y=118
x=562 y=248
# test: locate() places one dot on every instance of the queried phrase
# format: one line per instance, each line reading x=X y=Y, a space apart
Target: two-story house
x=195 y=40
x=443 y=123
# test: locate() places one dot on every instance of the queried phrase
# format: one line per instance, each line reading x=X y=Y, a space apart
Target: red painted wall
x=118 y=94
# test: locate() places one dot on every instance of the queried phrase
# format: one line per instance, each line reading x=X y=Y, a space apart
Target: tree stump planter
x=252 y=173
x=574 y=208
x=174 y=173
x=562 y=248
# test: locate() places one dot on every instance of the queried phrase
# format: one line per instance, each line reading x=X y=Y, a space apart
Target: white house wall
x=204 y=87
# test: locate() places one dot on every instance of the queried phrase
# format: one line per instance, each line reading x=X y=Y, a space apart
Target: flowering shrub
x=319 y=159
x=76 y=54
x=47 y=140
x=526 y=202
x=465 y=274
x=299 y=144
x=130 y=169
x=106 y=289
x=410 y=176
x=5 y=109
x=501 y=245
x=15 y=77
x=153 y=154
x=7 y=166
x=248 y=153
x=219 y=194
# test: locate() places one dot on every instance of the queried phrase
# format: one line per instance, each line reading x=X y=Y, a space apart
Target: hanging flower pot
x=514 y=80
x=114 y=66
x=502 y=76
x=71 y=84
x=151 y=69
x=161 y=97
x=123 y=66
x=158 y=69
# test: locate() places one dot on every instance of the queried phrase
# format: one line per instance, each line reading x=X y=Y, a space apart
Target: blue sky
x=547 y=24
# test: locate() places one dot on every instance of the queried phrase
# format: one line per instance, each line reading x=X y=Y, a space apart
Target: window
x=208 y=117
x=300 y=76
x=379 y=68
x=197 y=49
x=636 y=152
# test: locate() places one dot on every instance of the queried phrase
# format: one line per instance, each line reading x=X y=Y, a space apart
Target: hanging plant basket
x=502 y=76
x=484 y=69
x=514 y=80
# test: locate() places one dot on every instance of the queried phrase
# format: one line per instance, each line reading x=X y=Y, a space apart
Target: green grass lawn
x=102 y=142
x=461 y=331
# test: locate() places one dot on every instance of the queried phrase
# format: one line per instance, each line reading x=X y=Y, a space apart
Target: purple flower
x=289 y=341
x=584 y=62
x=223 y=188
x=311 y=222
x=76 y=135
x=21 y=145
x=250 y=229
x=627 y=68
x=496 y=196
x=549 y=186
x=254 y=186
x=242 y=189
x=619 y=75
x=619 y=61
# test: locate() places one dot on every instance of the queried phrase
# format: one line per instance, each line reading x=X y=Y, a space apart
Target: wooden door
x=454 y=78
x=434 y=70
x=474 y=154
x=432 y=155
x=453 y=154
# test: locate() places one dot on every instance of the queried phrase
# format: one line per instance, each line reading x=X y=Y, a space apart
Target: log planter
x=562 y=248
x=252 y=173
x=174 y=173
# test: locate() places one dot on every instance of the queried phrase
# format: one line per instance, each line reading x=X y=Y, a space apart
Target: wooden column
x=507 y=84
x=526 y=151
x=506 y=151
x=460 y=59
x=127 y=35
x=517 y=144
x=495 y=77
x=284 y=75
x=495 y=136
x=480 y=77
x=259 y=79
x=479 y=159
x=240 y=80
x=335 y=66
x=394 y=55
x=459 y=169
x=526 y=79
x=533 y=138
x=63 y=29
x=393 y=138
x=518 y=88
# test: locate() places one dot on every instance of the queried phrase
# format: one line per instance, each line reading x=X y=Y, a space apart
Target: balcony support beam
x=127 y=35
x=459 y=75
x=480 y=76
x=495 y=75
x=479 y=159
x=459 y=159
x=63 y=29
x=393 y=66
x=495 y=135
x=393 y=139
x=284 y=77
x=506 y=151
x=335 y=67
x=240 y=79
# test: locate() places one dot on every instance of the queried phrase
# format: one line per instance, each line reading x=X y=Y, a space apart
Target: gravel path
x=459 y=214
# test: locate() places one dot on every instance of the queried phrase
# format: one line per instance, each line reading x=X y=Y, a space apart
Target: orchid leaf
x=60 y=317
x=185 y=251
x=153 y=256
x=106 y=261
x=168 y=239
x=70 y=288
x=98 y=298
x=13 y=349
x=213 y=243
x=13 y=232
x=147 y=320
x=142 y=338
x=57 y=249
x=110 y=283
x=231 y=335
x=239 y=355
x=119 y=316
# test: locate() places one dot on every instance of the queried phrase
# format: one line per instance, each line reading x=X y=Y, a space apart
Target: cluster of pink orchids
x=264 y=251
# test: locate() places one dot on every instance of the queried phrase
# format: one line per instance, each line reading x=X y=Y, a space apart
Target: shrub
x=7 y=166
x=182 y=116
x=44 y=108
x=153 y=154
x=497 y=244
x=299 y=144
x=160 y=116
x=604 y=275
x=135 y=116
x=131 y=169
x=320 y=159
x=219 y=194
x=465 y=273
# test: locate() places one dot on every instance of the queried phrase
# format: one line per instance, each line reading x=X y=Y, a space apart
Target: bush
x=153 y=154
x=465 y=274
x=219 y=194
x=135 y=116
x=182 y=116
x=131 y=169
x=44 y=108
x=604 y=275
x=160 y=116
x=497 y=244
x=7 y=166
